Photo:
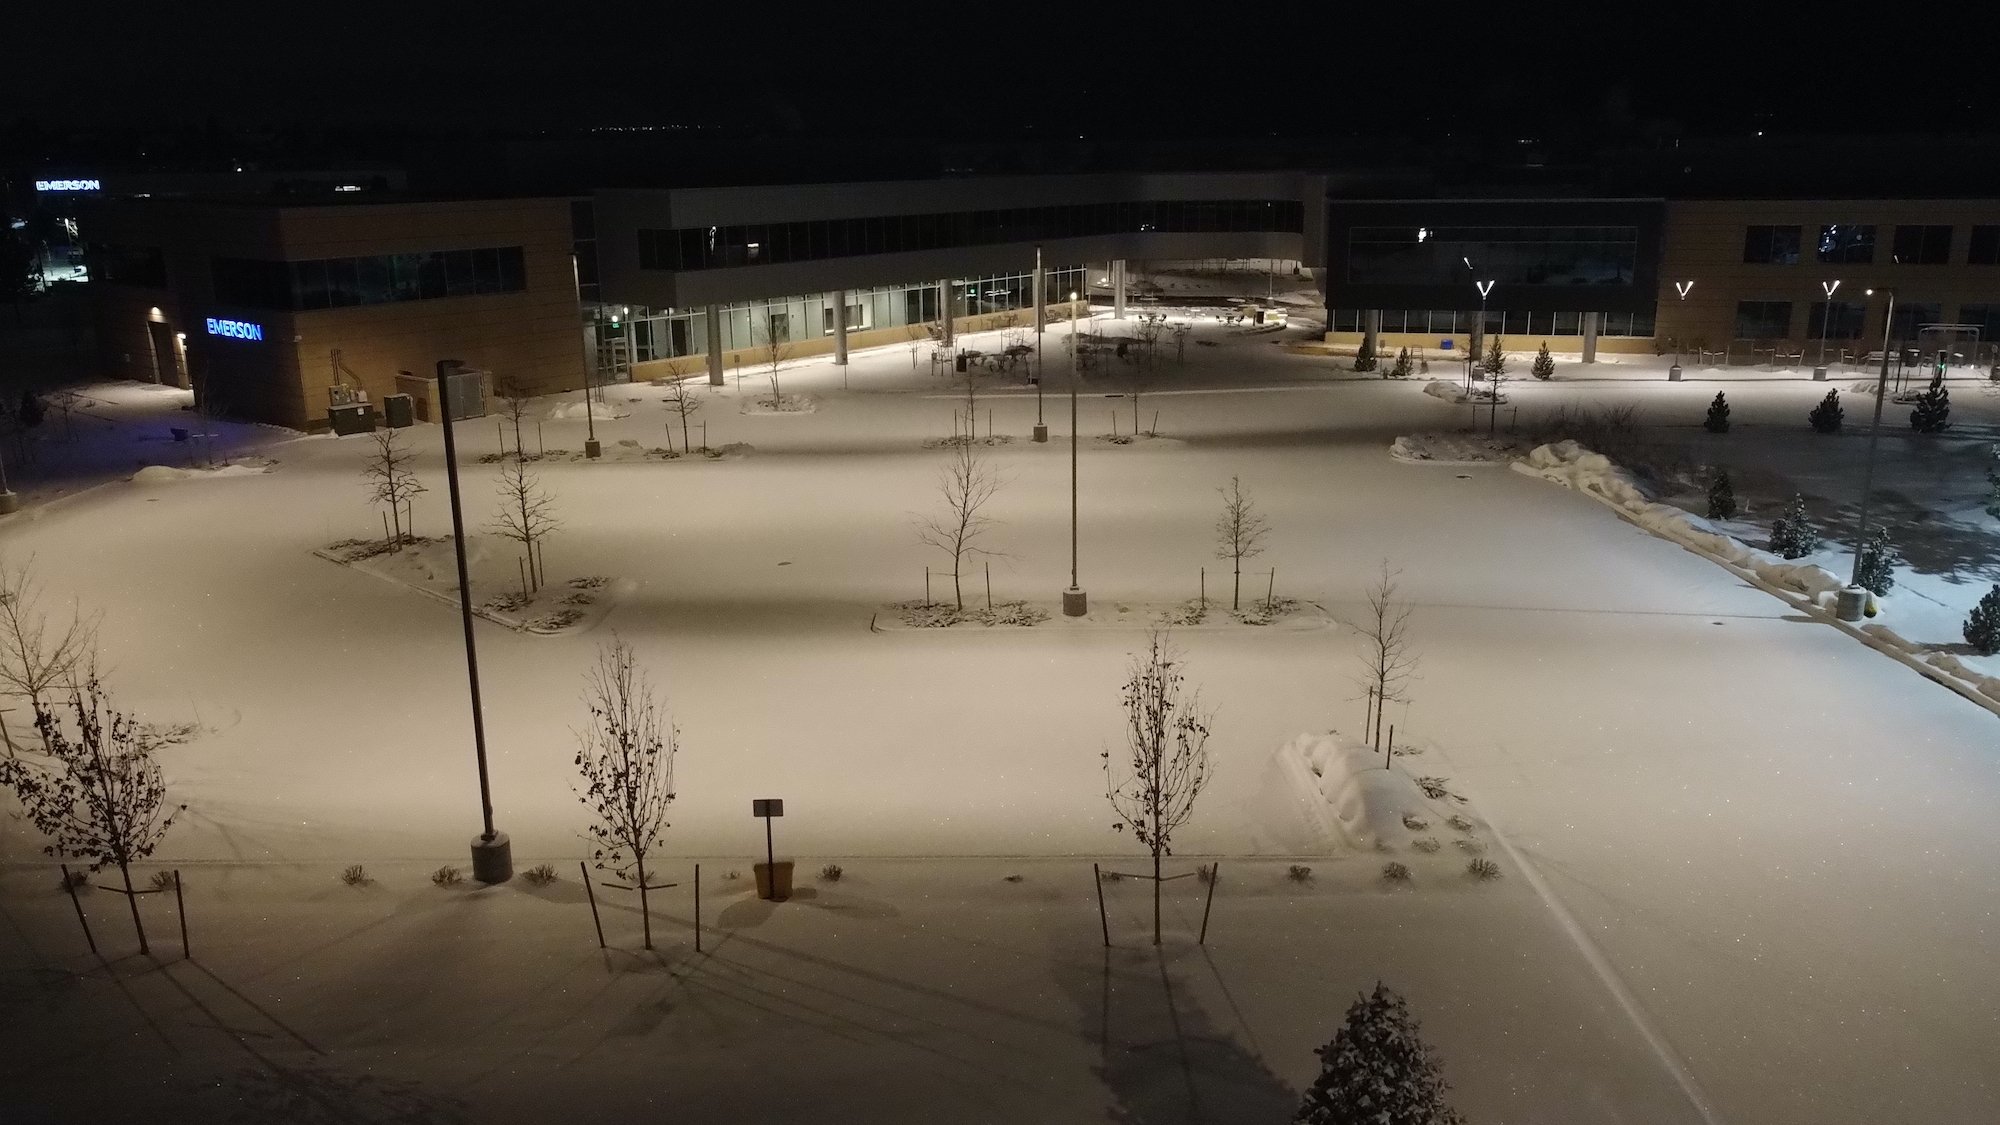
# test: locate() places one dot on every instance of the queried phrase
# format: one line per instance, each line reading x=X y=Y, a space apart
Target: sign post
x=769 y=807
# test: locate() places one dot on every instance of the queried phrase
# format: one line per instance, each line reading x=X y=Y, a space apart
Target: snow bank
x=1444 y=389
x=166 y=474
x=1323 y=794
x=1571 y=465
x=789 y=404
x=577 y=412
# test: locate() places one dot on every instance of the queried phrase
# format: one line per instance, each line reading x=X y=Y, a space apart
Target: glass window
x=1984 y=247
x=1922 y=246
x=1836 y=320
x=1847 y=243
x=309 y=285
x=1566 y=324
x=1986 y=318
x=1778 y=246
x=1910 y=317
x=1510 y=255
x=1763 y=320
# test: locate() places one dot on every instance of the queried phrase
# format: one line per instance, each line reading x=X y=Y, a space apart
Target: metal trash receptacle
x=399 y=411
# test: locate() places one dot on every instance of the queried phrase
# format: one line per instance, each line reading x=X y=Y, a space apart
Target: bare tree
x=774 y=352
x=516 y=404
x=966 y=482
x=1152 y=786
x=1239 y=533
x=390 y=480
x=685 y=402
x=626 y=756
x=1387 y=662
x=100 y=796
x=39 y=655
x=67 y=400
x=527 y=514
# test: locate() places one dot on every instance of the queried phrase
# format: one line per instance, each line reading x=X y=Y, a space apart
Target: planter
x=774 y=880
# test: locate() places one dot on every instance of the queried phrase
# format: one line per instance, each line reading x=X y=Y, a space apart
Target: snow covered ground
x=1769 y=849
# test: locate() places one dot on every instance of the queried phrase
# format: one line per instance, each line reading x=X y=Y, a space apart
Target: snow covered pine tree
x=1792 y=534
x=1717 y=421
x=1877 y=570
x=1378 y=1071
x=1828 y=415
x=1721 y=498
x=1544 y=367
x=1933 y=410
x=1982 y=625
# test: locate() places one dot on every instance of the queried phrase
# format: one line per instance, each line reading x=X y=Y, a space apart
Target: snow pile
x=1323 y=794
x=167 y=474
x=1444 y=389
x=786 y=404
x=1455 y=449
x=1571 y=465
x=430 y=567
x=577 y=412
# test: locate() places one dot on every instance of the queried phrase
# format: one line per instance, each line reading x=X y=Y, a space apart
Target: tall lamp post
x=1849 y=603
x=1825 y=318
x=1041 y=322
x=1683 y=288
x=492 y=852
x=1471 y=355
x=590 y=446
x=1075 y=602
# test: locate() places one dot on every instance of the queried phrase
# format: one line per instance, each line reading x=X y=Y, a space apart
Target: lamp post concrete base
x=492 y=860
x=1819 y=373
x=10 y=501
x=1674 y=373
x=1850 y=603
x=1076 y=603
x=593 y=449
x=1041 y=432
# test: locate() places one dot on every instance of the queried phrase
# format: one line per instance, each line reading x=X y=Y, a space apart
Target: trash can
x=958 y=362
x=1260 y=316
x=351 y=418
x=399 y=411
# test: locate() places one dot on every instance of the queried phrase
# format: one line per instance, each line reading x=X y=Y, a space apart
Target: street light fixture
x=1683 y=288
x=1075 y=602
x=1825 y=318
x=1850 y=601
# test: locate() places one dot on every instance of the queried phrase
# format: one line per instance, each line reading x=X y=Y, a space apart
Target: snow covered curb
x=1804 y=585
x=1290 y=615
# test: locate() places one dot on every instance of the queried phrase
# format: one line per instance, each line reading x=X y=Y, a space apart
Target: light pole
x=9 y=502
x=1683 y=288
x=492 y=852
x=1075 y=602
x=590 y=446
x=1850 y=601
x=1825 y=317
x=1484 y=287
x=1041 y=322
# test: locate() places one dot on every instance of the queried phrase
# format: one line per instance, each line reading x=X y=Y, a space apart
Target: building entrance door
x=168 y=367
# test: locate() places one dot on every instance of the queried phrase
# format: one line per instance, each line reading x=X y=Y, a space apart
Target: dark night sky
x=935 y=69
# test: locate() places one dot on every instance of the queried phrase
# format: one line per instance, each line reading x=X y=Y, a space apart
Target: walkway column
x=1371 y=331
x=1118 y=289
x=947 y=311
x=1592 y=322
x=713 y=318
x=840 y=327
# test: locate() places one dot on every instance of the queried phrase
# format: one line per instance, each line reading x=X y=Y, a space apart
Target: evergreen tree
x=1401 y=368
x=1993 y=483
x=1982 y=625
x=1378 y=1071
x=1545 y=365
x=1876 y=571
x=1364 y=356
x=1496 y=360
x=1792 y=534
x=1717 y=421
x=1828 y=415
x=1933 y=409
x=1721 y=498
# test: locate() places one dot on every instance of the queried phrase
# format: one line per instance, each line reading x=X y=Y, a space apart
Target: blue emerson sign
x=235 y=329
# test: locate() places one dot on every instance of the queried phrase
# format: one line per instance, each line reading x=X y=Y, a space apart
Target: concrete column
x=712 y=317
x=1592 y=322
x=947 y=312
x=1041 y=296
x=840 y=326
x=1118 y=289
x=1371 y=330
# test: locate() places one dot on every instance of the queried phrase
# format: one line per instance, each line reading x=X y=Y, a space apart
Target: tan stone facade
x=533 y=336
